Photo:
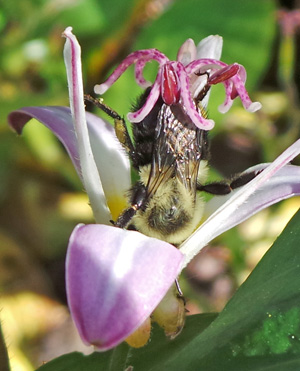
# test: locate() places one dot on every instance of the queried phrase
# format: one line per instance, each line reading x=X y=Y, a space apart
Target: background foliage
x=41 y=198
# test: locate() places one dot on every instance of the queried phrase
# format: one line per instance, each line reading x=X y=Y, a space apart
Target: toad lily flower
x=179 y=82
x=116 y=278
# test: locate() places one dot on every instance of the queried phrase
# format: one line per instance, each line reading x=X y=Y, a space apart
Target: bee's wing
x=176 y=152
x=163 y=165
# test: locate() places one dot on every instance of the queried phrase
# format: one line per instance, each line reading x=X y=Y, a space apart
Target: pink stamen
x=223 y=74
x=188 y=102
x=139 y=115
x=139 y=78
x=197 y=65
x=234 y=93
x=141 y=55
x=177 y=81
x=242 y=92
x=170 y=88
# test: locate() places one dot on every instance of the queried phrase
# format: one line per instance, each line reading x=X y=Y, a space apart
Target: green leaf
x=118 y=358
x=109 y=361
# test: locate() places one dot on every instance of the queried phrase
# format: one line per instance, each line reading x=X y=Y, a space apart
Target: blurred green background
x=41 y=198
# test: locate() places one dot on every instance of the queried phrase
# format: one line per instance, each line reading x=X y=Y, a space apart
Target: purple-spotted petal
x=236 y=82
x=140 y=55
x=243 y=94
x=139 y=115
x=277 y=182
x=115 y=279
x=139 y=67
x=188 y=103
x=225 y=106
x=112 y=163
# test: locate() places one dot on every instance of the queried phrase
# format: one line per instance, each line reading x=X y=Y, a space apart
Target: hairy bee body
x=172 y=213
x=170 y=154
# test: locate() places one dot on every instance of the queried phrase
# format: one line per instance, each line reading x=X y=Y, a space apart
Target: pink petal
x=111 y=159
x=115 y=279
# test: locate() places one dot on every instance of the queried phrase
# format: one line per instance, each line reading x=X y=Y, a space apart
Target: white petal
x=89 y=171
x=187 y=52
x=210 y=47
x=111 y=160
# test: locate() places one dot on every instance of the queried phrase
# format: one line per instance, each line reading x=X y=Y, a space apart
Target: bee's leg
x=180 y=293
x=120 y=124
x=138 y=200
x=223 y=187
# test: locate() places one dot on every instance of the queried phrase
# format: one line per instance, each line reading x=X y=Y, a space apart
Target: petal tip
x=210 y=47
x=187 y=52
x=67 y=32
x=100 y=88
x=133 y=117
x=254 y=106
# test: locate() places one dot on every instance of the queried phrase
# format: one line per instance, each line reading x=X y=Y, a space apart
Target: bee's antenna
x=100 y=104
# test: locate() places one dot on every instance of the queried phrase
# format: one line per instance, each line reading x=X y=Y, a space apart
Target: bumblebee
x=171 y=155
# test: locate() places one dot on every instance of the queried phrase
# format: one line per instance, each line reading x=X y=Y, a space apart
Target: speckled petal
x=139 y=115
x=139 y=78
x=140 y=55
x=188 y=103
